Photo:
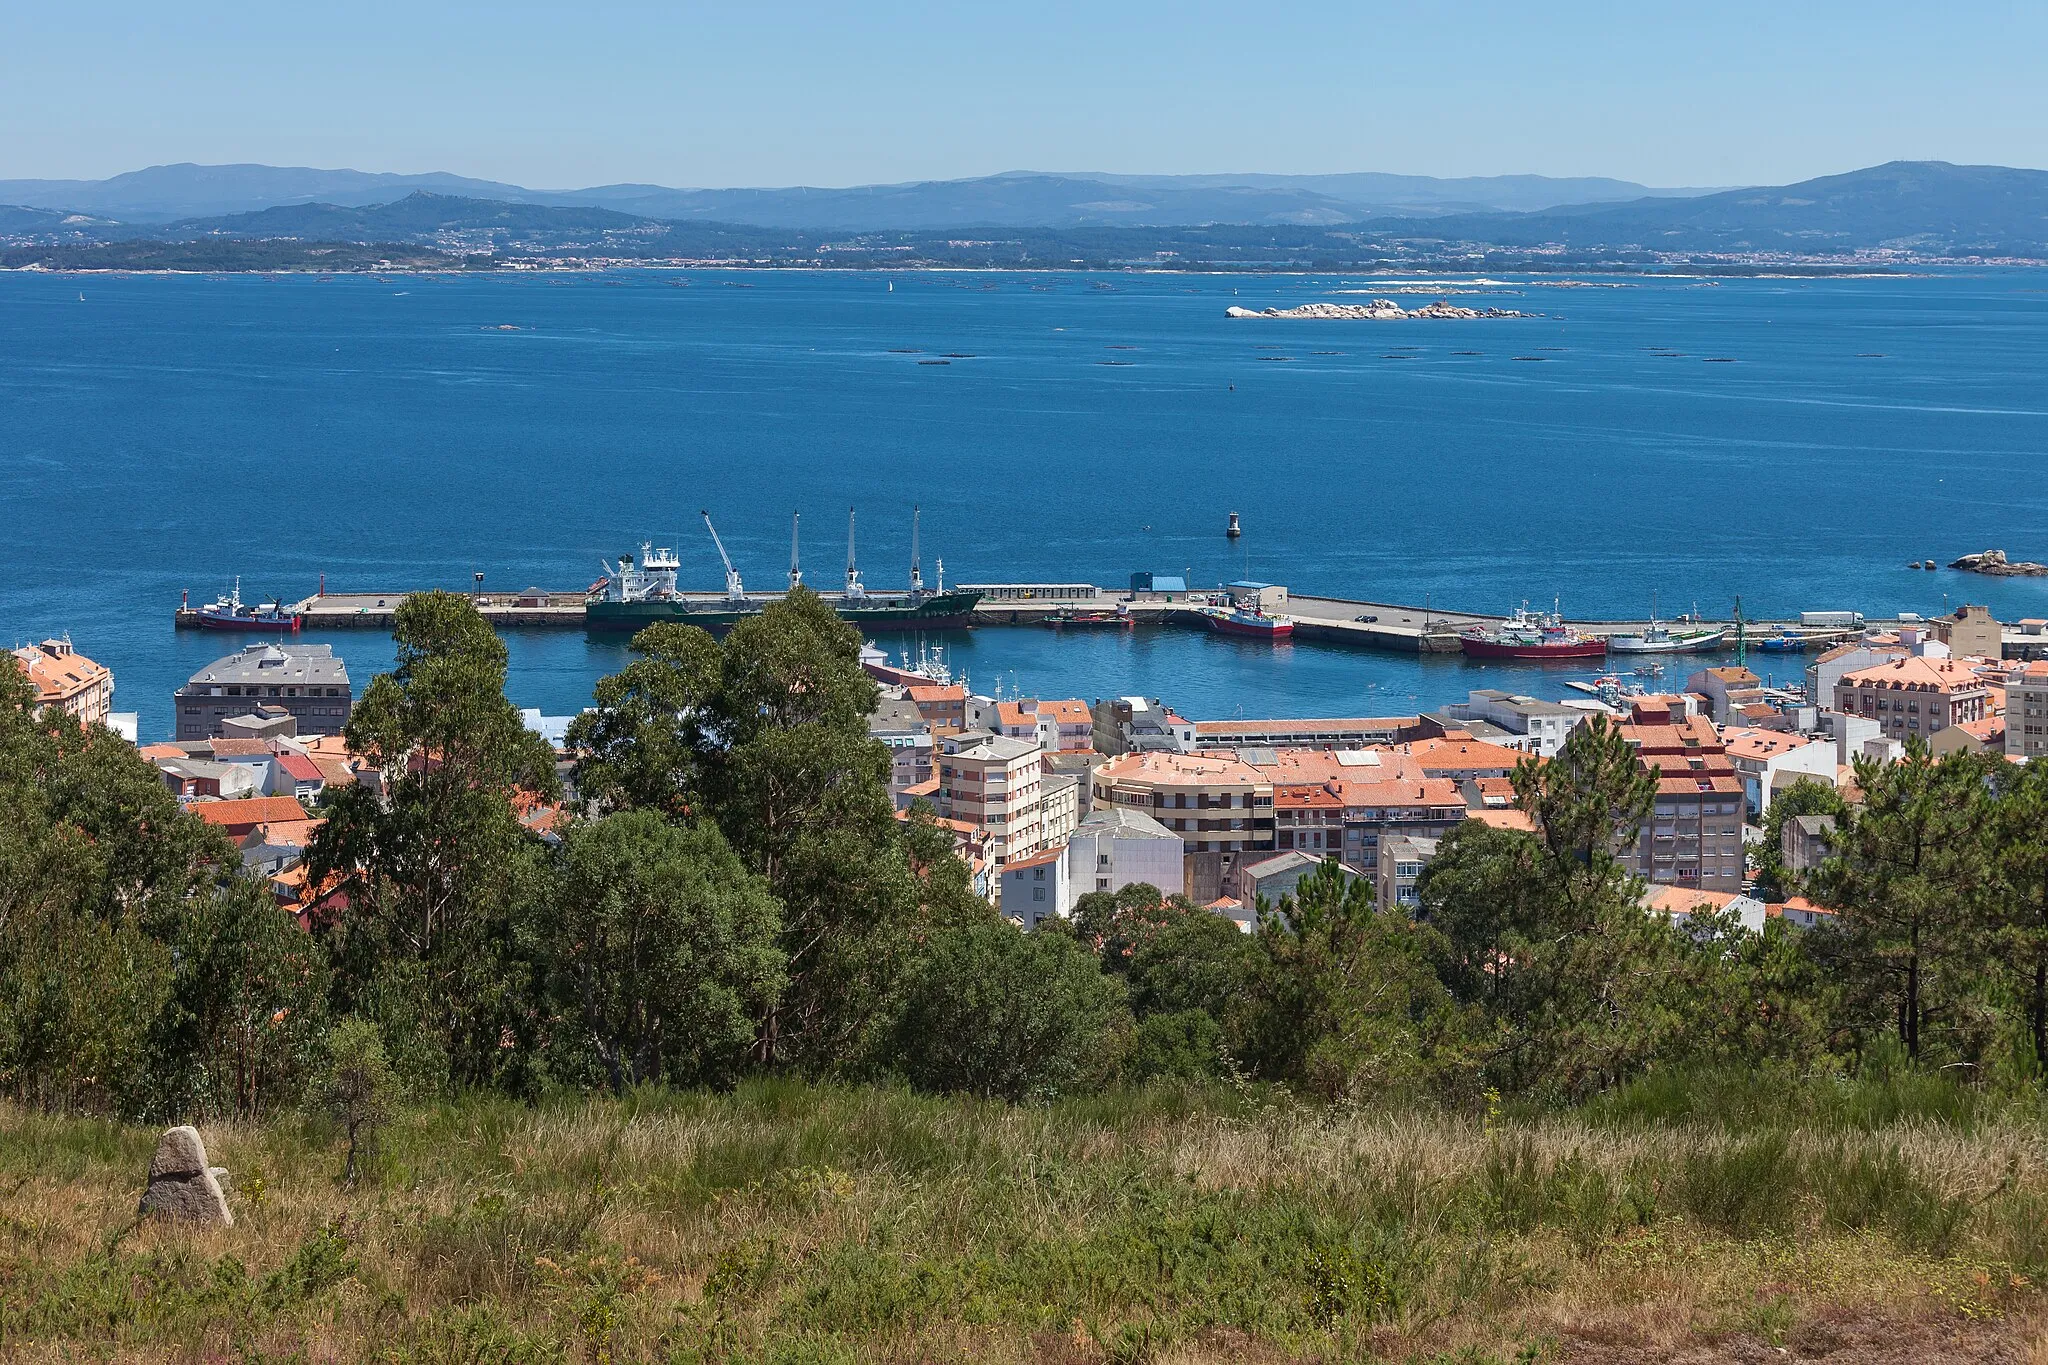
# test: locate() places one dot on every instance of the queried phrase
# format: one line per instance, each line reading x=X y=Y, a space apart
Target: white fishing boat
x=1658 y=638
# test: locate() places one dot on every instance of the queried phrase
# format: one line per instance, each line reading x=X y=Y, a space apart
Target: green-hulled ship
x=637 y=593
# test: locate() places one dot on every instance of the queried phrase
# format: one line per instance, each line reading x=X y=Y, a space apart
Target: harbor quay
x=1395 y=627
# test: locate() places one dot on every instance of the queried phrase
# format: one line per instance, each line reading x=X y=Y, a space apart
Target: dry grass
x=796 y=1224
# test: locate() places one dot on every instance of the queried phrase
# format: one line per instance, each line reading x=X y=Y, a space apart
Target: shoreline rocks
x=182 y=1187
x=1995 y=564
x=1377 y=310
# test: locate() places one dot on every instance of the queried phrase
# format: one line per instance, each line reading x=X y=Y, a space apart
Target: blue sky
x=795 y=92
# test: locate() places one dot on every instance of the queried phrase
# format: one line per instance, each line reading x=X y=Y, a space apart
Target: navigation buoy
x=1233 y=530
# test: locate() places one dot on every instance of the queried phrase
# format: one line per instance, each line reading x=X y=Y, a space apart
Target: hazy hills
x=1022 y=199
x=1928 y=206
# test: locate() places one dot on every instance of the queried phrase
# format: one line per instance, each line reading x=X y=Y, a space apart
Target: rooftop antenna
x=796 y=573
x=854 y=591
x=734 y=589
x=916 y=572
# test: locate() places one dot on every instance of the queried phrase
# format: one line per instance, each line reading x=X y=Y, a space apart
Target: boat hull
x=1690 y=644
x=1272 y=630
x=223 y=621
x=1501 y=649
x=941 y=611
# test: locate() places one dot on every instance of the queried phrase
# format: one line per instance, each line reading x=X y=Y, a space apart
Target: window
x=1038 y=893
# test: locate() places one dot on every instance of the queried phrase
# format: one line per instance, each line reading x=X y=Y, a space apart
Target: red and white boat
x=1249 y=621
x=1531 y=635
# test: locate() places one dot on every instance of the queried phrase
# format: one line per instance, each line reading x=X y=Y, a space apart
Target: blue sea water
x=1791 y=441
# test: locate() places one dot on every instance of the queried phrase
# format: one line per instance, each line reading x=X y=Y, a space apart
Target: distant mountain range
x=1929 y=208
x=1017 y=199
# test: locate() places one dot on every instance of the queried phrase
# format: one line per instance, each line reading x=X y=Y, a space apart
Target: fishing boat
x=1530 y=635
x=1659 y=638
x=1248 y=621
x=1067 y=616
x=639 y=592
x=1784 y=642
x=229 y=612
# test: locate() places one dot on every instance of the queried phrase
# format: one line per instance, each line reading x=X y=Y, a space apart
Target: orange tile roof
x=1035 y=860
x=154 y=752
x=1306 y=797
x=286 y=833
x=60 y=674
x=249 y=810
x=1204 y=769
x=1764 y=743
x=1683 y=900
x=240 y=748
x=1917 y=674
x=1433 y=791
x=1462 y=755
x=952 y=692
x=1508 y=818
x=1067 y=712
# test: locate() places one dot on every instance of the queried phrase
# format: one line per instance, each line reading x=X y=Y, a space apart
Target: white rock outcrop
x=1375 y=310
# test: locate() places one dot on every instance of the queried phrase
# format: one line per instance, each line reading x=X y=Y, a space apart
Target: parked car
x=1367 y=619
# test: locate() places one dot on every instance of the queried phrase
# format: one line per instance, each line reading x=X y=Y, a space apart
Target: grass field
x=787 y=1222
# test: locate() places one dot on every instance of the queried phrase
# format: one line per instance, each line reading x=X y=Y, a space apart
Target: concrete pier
x=1390 y=626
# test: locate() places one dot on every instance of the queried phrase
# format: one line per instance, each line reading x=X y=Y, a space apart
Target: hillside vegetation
x=732 y=1060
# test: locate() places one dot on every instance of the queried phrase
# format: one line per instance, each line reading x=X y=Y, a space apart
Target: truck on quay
x=1831 y=620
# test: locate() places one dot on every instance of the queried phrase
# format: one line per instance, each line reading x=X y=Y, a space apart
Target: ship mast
x=796 y=574
x=916 y=572
x=735 y=591
x=854 y=591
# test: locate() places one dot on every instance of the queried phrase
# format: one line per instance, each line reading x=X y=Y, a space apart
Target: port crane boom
x=735 y=591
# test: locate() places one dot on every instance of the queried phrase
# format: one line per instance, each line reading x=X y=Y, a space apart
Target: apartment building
x=1539 y=726
x=1914 y=695
x=1064 y=726
x=67 y=681
x=1727 y=690
x=997 y=785
x=1137 y=725
x=306 y=680
x=1221 y=807
x=897 y=723
x=1402 y=859
x=2026 y=710
x=1693 y=837
x=1036 y=888
x=944 y=707
x=1971 y=632
x=1119 y=846
x=1770 y=760
x=1375 y=812
x=1350 y=733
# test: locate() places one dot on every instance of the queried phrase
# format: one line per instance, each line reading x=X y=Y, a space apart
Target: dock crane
x=735 y=591
x=796 y=573
x=854 y=591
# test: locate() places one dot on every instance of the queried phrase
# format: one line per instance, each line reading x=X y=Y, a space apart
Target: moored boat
x=1249 y=621
x=229 y=612
x=1530 y=635
x=1661 y=639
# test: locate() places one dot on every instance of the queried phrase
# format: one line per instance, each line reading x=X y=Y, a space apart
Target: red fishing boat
x=1531 y=635
x=1249 y=621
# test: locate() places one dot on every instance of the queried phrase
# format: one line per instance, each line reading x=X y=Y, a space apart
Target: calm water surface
x=1794 y=442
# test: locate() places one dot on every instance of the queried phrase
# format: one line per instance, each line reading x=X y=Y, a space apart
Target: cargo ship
x=229 y=612
x=636 y=593
x=1530 y=635
x=1249 y=621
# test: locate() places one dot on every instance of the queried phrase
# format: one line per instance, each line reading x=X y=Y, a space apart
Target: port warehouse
x=1149 y=601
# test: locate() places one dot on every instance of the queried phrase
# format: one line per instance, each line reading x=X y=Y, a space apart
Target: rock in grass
x=182 y=1187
